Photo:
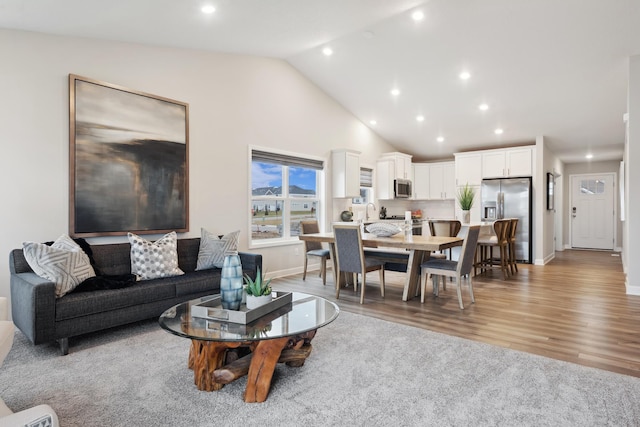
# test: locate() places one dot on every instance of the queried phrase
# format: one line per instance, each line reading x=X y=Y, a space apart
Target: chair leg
x=423 y=285
x=473 y=300
x=323 y=270
x=338 y=274
x=304 y=271
x=364 y=283
x=435 y=279
x=459 y=283
x=354 y=276
x=382 y=282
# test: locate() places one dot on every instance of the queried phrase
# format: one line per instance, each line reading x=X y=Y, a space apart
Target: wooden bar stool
x=485 y=258
x=446 y=228
x=513 y=262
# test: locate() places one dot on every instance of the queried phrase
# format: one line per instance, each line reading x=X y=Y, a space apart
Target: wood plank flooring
x=573 y=309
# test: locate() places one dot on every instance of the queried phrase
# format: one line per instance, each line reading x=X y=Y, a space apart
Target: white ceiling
x=552 y=68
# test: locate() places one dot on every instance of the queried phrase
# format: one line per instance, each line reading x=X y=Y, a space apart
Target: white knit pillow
x=382 y=229
x=151 y=260
x=64 y=263
x=213 y=249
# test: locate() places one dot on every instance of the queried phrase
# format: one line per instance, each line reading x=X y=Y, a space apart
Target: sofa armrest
x=250 y=263
x=33 y=306
x=41 y=415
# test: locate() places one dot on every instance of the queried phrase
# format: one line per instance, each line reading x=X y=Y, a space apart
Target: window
x=284 y=191
x=366 y=187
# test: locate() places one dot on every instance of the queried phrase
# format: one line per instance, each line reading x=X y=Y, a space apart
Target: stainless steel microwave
x=401 y=188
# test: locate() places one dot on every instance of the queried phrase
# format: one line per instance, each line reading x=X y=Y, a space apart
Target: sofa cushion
x=64 y=263
x=200 y=281
x=152 y=260
x=85 y=303
x=213 y=249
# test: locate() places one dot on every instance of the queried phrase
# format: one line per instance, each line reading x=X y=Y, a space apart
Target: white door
x=592 y=211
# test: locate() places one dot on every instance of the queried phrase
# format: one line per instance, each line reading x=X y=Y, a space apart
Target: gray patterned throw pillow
x=213 y=249
x=152 y=260
x=64 y=263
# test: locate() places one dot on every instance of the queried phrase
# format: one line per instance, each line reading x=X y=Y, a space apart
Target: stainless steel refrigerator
x=510 y=198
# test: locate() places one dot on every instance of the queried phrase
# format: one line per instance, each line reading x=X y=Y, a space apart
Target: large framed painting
x=128 y=158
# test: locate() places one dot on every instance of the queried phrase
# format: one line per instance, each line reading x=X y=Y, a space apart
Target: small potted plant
x=466 y=194
x=258 y=290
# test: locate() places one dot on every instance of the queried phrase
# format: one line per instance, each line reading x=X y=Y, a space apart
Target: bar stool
x=446 y=228
x=485 y=258
x=513 y=262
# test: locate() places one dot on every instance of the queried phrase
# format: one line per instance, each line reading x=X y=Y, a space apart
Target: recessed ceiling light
x=208 y=9
x=417 y=15
x=327 y=51
x=373 y=122
x=483 y=107
x=589 y=156
x=395 y=92
x=465 y=75
x=498 y=131
x=420 y=118
x=440 y=139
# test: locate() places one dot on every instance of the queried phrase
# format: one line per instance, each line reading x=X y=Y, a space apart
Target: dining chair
x=499 y=240
x=436 y=268
x=446 y=228
x=350 y=258
x=314 y=249
x=513 y=264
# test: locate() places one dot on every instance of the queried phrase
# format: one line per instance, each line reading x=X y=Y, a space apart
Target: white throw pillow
x=213 y=249
x=64 y=263
x=152 y=260
x=382 y=229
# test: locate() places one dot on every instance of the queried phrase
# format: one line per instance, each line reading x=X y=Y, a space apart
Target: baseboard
x=546 y=260
x=632 y=290
x=297 y=270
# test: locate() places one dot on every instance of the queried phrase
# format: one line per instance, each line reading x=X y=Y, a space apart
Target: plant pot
x=255 y=302
x=466 y=217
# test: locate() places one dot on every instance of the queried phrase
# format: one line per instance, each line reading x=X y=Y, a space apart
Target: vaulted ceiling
x=552 y=68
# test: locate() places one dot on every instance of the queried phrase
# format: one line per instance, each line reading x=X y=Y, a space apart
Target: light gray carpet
x=362 y=371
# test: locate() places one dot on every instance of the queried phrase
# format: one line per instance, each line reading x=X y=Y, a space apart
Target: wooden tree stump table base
x=212 y=369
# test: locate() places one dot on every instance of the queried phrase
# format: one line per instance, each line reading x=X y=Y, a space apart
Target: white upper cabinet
x=507 y=162
x=434 y=181
x=468 y=168
x=442 y=182
x=345 y=166
x=391 y=166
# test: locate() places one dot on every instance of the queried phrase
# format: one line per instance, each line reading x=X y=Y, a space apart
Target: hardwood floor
x=573 y=309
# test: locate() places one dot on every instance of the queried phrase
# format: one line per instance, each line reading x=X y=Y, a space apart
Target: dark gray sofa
x=43 y=318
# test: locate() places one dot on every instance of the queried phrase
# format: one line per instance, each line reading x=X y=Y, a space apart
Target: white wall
x=632 y=182
x=234 y=101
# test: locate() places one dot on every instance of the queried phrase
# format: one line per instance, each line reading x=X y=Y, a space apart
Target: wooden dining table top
x=421 y=243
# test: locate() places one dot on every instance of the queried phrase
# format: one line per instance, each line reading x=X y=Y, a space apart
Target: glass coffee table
x=222 y=352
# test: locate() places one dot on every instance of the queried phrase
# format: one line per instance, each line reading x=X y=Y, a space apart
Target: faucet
x=366 y=211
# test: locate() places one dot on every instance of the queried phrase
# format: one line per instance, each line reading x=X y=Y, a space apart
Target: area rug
x=362 y=371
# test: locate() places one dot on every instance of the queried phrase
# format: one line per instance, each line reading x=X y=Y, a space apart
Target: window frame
x=287 y=199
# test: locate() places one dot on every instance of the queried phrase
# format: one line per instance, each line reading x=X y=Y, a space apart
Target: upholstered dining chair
x=350 y=258
x=436 y=268
x=314 y=249
x=500 y=240
x=446 y=228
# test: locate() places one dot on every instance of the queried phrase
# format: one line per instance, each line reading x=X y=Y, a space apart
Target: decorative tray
x=212 y=309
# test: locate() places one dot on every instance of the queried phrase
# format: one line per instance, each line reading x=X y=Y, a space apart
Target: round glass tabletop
x=305 y=313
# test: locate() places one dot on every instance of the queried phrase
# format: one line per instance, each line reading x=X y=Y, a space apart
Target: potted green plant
x=466 y=195
x=258 y=290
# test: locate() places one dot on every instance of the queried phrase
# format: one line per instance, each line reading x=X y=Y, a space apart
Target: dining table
x=419 y=248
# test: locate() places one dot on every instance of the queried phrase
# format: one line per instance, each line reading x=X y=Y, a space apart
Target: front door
x=592 y=211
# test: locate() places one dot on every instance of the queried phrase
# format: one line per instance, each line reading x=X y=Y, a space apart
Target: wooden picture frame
x=551 y=182
x=128 y=161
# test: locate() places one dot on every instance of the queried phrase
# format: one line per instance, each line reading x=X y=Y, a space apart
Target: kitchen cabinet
x=442 y=180
x=468 y=169
x=391 y=166
x=507 y=162
x=434 y=181
x=345 y=165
